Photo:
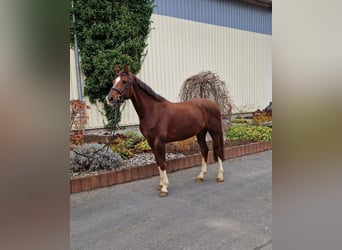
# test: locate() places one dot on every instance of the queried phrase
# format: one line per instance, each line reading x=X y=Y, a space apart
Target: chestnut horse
x=162 y=121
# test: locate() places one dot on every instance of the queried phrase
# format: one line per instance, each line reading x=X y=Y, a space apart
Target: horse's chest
x=150 y=131
x=143 y=130
x=146 y=131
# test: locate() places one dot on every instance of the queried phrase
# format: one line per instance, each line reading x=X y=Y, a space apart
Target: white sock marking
x=220 y=170
x=203 y=169
x=165 y=180
x=160 y=177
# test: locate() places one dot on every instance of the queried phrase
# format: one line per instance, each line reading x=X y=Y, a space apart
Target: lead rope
x=111 y=135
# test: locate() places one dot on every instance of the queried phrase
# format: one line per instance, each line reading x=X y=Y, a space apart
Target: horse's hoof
x=219 y=180
x=163 y=194
x=199 y=179
x=159 y=187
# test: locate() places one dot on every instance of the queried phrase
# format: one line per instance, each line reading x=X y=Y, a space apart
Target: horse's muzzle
x=110 y=100
x=114 y=101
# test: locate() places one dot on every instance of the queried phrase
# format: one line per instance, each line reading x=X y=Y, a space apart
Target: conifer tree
x=109 y=33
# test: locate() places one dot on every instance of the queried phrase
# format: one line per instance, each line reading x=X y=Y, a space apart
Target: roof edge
x=263 y=3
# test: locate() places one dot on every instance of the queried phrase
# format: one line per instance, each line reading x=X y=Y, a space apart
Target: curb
x=106 y=179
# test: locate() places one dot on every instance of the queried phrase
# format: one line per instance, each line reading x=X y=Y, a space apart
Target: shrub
x=142 y=146
x=207 y=84
x=250 y=133
x=132 y=138
x=184 y=145
x=78 y=120
x=262 y=117
x=109 y=33
x=119 y=146
x=93 y=156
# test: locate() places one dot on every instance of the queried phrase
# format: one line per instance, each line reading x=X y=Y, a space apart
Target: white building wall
x=179 y=48
x=95 y=113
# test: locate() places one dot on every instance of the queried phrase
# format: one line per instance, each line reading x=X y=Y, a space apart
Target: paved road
x=235 y=214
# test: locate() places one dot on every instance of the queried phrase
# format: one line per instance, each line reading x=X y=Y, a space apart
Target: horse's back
x=209 y=105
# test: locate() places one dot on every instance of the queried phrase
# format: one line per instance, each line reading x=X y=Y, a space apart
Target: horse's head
x=121 y=89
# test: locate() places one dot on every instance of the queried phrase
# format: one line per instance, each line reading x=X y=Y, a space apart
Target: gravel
x=136 y=160
x=147 y=158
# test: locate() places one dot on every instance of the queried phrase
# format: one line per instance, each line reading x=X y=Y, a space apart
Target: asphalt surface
x=235 y=214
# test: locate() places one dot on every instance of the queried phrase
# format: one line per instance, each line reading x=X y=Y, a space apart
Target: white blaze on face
x=116 y=81
x=114 y=86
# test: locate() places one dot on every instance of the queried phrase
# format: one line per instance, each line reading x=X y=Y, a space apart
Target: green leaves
x=109 y=33
x=249 y=133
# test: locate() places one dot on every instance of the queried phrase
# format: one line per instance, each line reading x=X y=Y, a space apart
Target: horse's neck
x=143 y=103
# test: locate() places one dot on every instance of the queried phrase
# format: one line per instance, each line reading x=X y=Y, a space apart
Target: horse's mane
x=147 y=89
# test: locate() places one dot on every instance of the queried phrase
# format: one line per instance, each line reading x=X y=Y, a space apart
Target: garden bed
x=174 y=150
x=129 y=156
x=170 y=147
x=93 y=180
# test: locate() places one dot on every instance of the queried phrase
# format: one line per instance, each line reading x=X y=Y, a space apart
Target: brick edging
x=106 y=179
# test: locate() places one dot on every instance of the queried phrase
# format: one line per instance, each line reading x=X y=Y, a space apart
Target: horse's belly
x=183 y=131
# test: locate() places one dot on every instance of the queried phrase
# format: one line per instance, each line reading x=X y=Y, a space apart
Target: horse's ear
x=125 y=68
x=116 y=69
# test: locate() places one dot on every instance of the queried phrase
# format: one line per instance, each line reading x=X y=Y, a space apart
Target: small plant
x=250 y=133
x=142 y=146
x=78 y=120
x=262 y=117
x=93 y=156
x=132 y=138
x=184 y=145
x=119 y=146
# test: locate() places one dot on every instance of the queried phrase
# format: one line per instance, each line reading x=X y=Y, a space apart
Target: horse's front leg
x=164 y=182
x=159 y=152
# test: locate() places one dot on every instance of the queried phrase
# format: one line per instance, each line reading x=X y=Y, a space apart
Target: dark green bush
x=110 y=33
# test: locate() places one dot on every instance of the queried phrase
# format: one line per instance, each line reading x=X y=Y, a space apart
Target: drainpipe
x=77 y=59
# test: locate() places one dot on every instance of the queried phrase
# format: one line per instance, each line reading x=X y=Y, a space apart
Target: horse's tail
x=222 y=148
x=221 y=145
x=219 y=152
x=216 y=130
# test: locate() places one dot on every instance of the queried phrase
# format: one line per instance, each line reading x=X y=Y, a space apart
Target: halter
x=123 y=92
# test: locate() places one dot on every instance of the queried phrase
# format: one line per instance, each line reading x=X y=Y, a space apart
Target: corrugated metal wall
x=236 y=14
x=182 y=48
x=178 y=48
x=96 y=119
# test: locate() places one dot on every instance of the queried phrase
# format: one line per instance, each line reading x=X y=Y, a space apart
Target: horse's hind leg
x=220 y=177
x=204 y=151
x=218 y=151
